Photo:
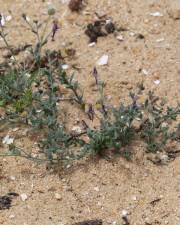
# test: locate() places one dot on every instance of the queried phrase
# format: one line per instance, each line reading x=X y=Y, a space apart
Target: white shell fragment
x=157 y=82
x=23 y=197
x=124 y=213
x=156 y=14
x=92 y=44
x=103 y=60
x=58 y=196
x=65 y=67
x=8 y=140
x=120 y=38
x=65 y=1
x=145 y=72
x=160 y=40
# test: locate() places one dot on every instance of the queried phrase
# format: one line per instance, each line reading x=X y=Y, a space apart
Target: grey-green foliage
x=113 y=133
x=12 y=85
x=155 y=131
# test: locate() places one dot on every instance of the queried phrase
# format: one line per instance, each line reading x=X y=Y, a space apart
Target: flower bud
x=51 y=10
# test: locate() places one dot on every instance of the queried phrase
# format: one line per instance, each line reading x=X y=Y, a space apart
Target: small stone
x=65 y=1
x=103 y=60
x=124 y=213
x=96 y=189
x=131 y=34
x=156 y=14
x=68 y=166
x=24 y=197
x=160 y=40
x=58 y=196
x=157 y=82
x=134 y=198
x=164 y=124
x=12 y=216
x=164 y=159
x=120 y=38
x=15 y=129
x=65 y=67
x=92 y=44
x=145 y=72
x=12 y=178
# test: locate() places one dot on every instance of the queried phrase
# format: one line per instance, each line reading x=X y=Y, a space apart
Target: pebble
x=157 y=82
x=164 y=124
x=160 y=40
x=124 y=213
x=156 y=14
x=65 y=1
x=68 y=166
x=65 y=67
x=164 y=159
x=92 y=44
x=96 y=189
x=24 y=197
x=131 y=34
x=15 y=129
x=145 y=72
x=12 y=216
x=103 y=60
x=120 y=38
x=12 y=178
x=58 y=196
x=134 y=198
x=114 y=223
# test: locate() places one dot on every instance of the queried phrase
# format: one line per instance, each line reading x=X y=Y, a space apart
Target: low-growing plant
x=32 y=92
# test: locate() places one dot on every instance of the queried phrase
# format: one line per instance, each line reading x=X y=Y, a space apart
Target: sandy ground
x=101 y=190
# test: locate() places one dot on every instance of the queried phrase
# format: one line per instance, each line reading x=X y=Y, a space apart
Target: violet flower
x=91 y=112
x=95 y=74
x=103 y=108
x=134 y=101
x=54 y=29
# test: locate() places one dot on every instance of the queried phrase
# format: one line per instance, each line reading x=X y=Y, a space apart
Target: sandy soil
x=101 y=190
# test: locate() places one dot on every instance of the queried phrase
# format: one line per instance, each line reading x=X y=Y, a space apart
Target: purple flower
x=91 y=112
x=103 y=108
x=95 y=74
x=54 y=29
x=134 y=101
